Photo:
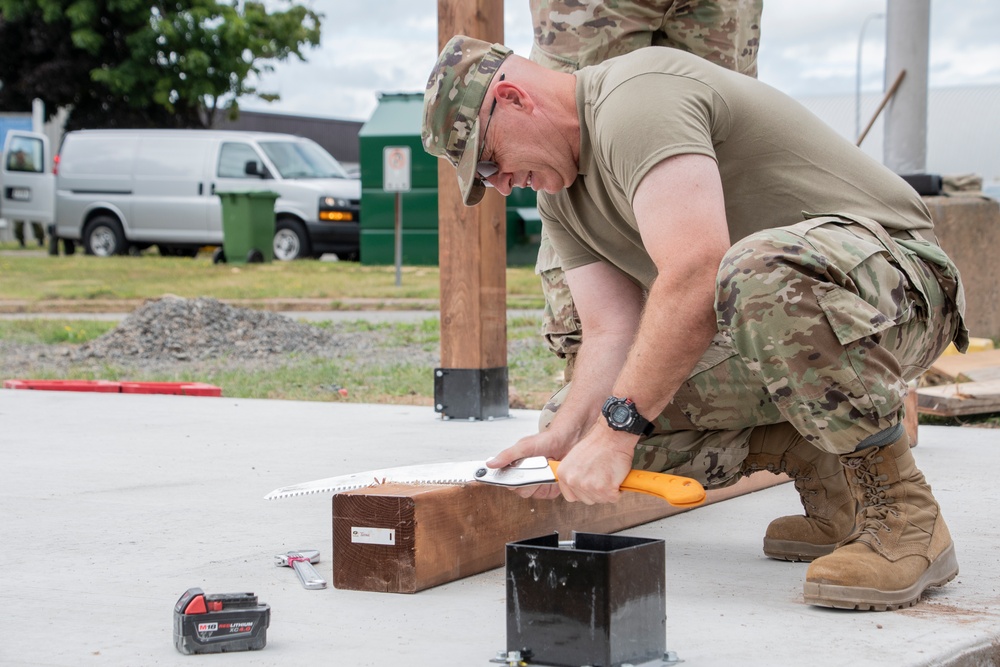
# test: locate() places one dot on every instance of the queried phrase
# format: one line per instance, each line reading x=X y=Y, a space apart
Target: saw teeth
x=373 y=483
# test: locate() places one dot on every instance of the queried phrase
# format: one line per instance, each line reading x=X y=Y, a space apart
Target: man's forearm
x=676 y=328
x=598 y=363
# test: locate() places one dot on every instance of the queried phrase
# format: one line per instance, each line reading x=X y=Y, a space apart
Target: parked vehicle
x=26 y=182
x=116 y=190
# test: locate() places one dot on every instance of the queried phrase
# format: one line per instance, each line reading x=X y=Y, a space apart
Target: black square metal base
x=600 y=601
x=471 y=393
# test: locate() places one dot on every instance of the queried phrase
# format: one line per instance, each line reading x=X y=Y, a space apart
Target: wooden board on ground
x=974 y=367
x=398 y=538
x=910 y=420
x=955 y=400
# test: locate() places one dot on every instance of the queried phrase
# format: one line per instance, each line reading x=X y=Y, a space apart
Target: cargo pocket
x=865 y=370
x=851 y=317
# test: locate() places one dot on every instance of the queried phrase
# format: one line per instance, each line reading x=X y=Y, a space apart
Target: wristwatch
x=622 y=416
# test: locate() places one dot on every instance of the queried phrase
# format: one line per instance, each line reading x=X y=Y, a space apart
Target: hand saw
x=678 y=491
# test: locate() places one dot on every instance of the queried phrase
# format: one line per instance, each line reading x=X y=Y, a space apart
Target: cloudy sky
x=807 y=49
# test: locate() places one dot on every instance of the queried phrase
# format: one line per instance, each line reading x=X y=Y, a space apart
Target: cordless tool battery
x=220 y=623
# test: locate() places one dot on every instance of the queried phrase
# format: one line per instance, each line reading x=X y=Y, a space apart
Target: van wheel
x=290 y=240
x=103 y=236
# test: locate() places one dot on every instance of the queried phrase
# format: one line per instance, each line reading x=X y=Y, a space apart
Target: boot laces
x=877 y=504
x=799 y=480
x=805 y=494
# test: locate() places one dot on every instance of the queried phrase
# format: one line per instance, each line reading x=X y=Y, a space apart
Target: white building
x=963 y=129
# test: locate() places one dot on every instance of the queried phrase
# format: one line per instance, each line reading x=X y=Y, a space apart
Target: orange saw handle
x=676 y=490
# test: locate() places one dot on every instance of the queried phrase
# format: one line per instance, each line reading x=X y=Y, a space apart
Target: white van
x=115 y=190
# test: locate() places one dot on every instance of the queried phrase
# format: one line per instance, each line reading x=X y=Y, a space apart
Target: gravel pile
x=179 y=329
x=172 y=335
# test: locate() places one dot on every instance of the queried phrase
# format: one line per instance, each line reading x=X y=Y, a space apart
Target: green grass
x=84 y=278
x=383 y=378
x=425 y=332
x=534 y=372
x=52 y=332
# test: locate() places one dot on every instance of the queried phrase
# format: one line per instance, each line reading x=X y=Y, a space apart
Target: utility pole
x=907 y=48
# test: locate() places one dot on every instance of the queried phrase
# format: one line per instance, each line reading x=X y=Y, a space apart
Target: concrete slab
x=114 y=505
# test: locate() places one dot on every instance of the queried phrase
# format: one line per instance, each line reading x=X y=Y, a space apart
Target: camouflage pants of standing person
x=821 y=324
x=561 y=326
x=570 y=34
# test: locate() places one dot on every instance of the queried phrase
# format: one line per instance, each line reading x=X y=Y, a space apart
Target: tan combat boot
x=901 y=546
x=819 y=478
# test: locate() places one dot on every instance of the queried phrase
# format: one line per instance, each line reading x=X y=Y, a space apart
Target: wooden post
x=472 y=380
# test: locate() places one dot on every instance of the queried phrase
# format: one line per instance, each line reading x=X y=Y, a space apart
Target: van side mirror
x=252 y=168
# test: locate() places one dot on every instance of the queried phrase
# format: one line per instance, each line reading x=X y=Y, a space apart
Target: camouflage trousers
x=821 y=324
x=561 y=326
x=570 y=34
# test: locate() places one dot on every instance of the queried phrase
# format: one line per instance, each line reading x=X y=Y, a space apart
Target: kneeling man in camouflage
x=747 y=279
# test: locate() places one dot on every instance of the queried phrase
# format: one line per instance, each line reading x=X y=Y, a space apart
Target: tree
x=135 y=63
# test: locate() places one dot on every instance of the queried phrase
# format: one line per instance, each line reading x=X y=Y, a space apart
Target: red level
x=109 y=387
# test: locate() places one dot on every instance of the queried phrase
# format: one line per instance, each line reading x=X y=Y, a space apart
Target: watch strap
x=639 y=425
x=643 y=426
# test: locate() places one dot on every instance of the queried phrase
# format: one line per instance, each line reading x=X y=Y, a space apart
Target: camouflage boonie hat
x=455 y=93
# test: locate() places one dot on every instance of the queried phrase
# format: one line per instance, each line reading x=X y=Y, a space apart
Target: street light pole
x=907 y=49
x=857 y=88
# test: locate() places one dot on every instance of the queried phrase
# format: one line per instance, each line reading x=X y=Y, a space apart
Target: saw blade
x=425 y=473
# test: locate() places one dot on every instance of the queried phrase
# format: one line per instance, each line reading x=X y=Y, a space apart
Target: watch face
x=621 y=414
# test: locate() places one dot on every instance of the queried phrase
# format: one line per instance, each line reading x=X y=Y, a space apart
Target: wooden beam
x=956 y=400
x=911 y=420
x=972 y=367
x=441 y=533
x=473 y=260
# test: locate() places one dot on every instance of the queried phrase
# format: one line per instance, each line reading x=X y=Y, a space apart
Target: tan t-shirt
x=776 y=159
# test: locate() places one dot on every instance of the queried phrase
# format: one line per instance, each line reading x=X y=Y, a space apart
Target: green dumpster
x=247 y=227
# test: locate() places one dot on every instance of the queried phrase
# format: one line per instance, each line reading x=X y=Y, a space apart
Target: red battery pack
x=220 y=623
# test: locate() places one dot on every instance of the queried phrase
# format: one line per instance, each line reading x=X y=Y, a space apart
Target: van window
x=302 y=159
x=25 y=155
x=233 y=159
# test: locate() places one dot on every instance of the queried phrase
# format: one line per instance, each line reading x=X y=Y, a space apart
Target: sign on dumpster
x=396 y=178
x=396 y=169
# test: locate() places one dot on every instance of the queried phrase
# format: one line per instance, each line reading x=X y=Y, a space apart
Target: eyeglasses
x=487 y=168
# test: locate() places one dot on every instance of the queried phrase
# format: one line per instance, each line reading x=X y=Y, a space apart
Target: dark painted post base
x=471 y=393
